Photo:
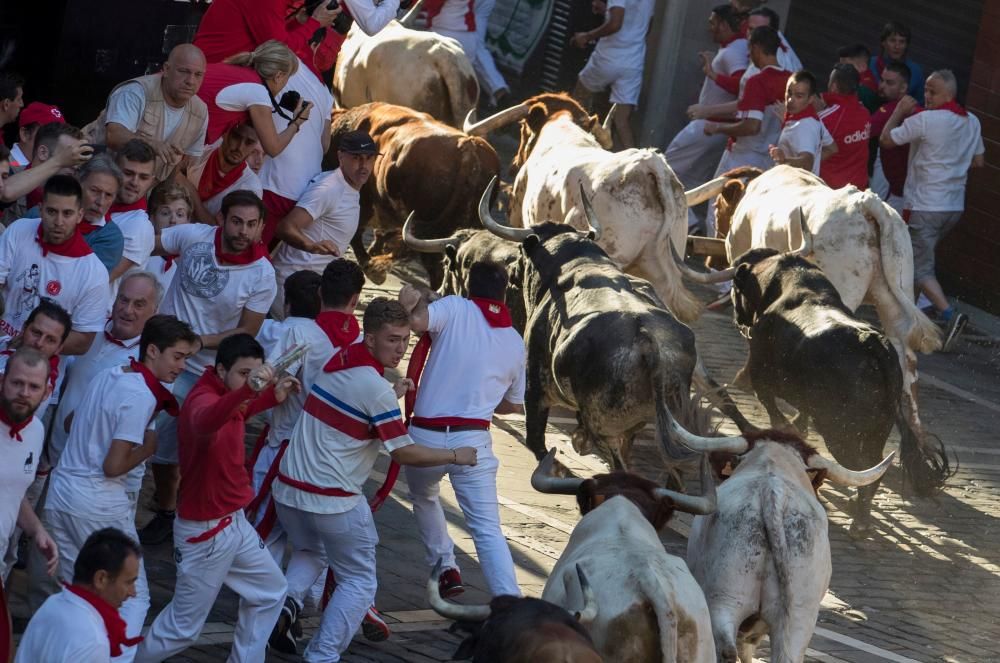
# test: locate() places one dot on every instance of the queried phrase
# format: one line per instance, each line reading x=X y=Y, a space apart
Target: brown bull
x=426 y=167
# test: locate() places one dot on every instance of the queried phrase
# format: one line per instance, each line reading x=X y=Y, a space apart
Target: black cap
x=357 y=142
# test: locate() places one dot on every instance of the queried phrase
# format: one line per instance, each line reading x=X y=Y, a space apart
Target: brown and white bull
x=651 y=608
x=763 y=557
x=641 y=203
x=427 y=168
x=420 y=70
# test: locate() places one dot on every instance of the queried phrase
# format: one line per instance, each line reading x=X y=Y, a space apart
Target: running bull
x=636 y=195
x=651 y=607
x=427 y=168
x=512 y=629
x=763 y=557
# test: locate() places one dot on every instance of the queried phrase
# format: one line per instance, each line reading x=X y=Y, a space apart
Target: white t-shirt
x=118 y=406
x=139 y=234
x=733 y=57
x=127 y=103
x=628 y=45
x=335 y=208
x=79 y=285
x=942 y=144
x=472 y=366
x=241 y=96
x=208 y=296
x=348 y=416
x=370 y=15
x=787 y=60
x=808 y=134
x=454 y=16
x=157 y=265
x=65 y=628
x=17 y=472
x=289 y=173
x=247 y=181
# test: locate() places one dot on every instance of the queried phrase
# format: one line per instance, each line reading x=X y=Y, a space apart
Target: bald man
x=162 y=109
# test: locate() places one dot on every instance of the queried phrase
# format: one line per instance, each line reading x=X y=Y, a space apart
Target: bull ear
x=537 y=116
x=450 y=251
x=742 y=275
x=531 y=242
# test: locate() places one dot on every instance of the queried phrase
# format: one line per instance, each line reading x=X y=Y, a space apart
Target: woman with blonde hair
x=242 y=90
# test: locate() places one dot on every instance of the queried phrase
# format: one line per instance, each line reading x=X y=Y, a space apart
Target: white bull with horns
x=562 y=157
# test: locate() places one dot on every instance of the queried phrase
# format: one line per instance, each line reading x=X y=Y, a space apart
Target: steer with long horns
x=642 y=205
x=521 y=630
x=651 y=607
x=763 y=558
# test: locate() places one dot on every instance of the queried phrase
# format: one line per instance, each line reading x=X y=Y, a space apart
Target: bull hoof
x=860 y=529
x=376 y=275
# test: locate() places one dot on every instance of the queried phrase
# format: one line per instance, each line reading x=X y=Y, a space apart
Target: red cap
x=38 y=113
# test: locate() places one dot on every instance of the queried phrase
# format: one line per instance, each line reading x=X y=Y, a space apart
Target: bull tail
x=719 y=396
x=462 y=88
x=925 y=461
x=773 y=524
x=666 y=399
x=681 y=302
x=655 y=592
x=894 y=245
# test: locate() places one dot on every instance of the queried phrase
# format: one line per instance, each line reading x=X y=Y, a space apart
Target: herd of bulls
x=592 y=248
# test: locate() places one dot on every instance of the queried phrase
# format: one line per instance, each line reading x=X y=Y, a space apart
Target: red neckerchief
x=111 y=339
x=495 y=312
x=86 y=227
x=808 y=111
x=341 y=328
x=15 y=427
x=352 y=356
x=952 y=106
x=113 y=622
x=212 y=181
x=75 y=247
x=168 y=262
x=254 y=252
x=122 y=207
x=164 y=399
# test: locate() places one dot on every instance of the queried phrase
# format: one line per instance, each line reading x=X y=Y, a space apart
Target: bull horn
x=701 y=277
x=589 y=612
x=588 y=209
x=730 y=445
x=495 y=121
x=543 y=481
x=705 y=191
x=410 y=18
x=699 y=505
x=609 y=118
x=425 y=245
x=505 y=232
x=840 y=475
x=806 y=248
x=449 y=610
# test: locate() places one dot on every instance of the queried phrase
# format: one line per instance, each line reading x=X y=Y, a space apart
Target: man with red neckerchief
x=221 y=171
x=81 y=623
x=109 y=434
x=804 y=141
x=49 y=258
x=225 y=286
x=475 y=369
x=215 y=543
x=137 y=161
x=350 y=413
x=850 y=125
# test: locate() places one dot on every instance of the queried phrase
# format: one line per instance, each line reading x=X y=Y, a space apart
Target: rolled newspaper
x=281 y=365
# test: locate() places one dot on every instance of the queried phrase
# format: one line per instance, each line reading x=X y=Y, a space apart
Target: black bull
x=841 y=373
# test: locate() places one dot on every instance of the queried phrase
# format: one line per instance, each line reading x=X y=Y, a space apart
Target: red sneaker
x=450 y=583
x=374 y=627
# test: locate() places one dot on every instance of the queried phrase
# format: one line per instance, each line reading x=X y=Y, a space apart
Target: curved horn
x=410 y=18
x=588 y=209
x=705 y=191
x=698 y=505
x=609 y=118
x=449 y=610
x=543 y=481
x=806 y=248
x=495 y=121
x=839 y=474
x=731 y=445
x=701 y=277
x=505 y=232
x=425 y=245
x=589 y=612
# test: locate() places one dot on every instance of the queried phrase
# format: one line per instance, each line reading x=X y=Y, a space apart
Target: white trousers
x=236 y=558
x=347 y=541
x=70 y=531
x=693 y=157
x=489 y=76
x=476 y=490
x=479 y=56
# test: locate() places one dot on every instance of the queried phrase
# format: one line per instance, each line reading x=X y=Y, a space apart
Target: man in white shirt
x=945 y=141
x=81 y=623
x=221 y=171
x=33 y=117
x=350 y=413
x=618 y=58
x=804 y=140
x=137 y=161
x=225 y=286
x=465 y=21
x=109 y=435
x=49 y=258
x=475 y=368
x=323 y=222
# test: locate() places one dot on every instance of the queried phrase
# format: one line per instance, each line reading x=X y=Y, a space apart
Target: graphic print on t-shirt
x=199 y=274
x=27 y=298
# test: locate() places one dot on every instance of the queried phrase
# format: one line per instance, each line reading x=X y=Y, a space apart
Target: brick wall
x=970 y=258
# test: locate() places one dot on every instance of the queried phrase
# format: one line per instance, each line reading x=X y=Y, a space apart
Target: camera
x=289 y=100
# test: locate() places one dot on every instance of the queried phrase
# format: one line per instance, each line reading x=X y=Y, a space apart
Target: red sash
x=212 y=531
x=313 y=489
x=113 y=622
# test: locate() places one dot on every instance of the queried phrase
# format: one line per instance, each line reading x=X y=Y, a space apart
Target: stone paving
x=925 y=586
